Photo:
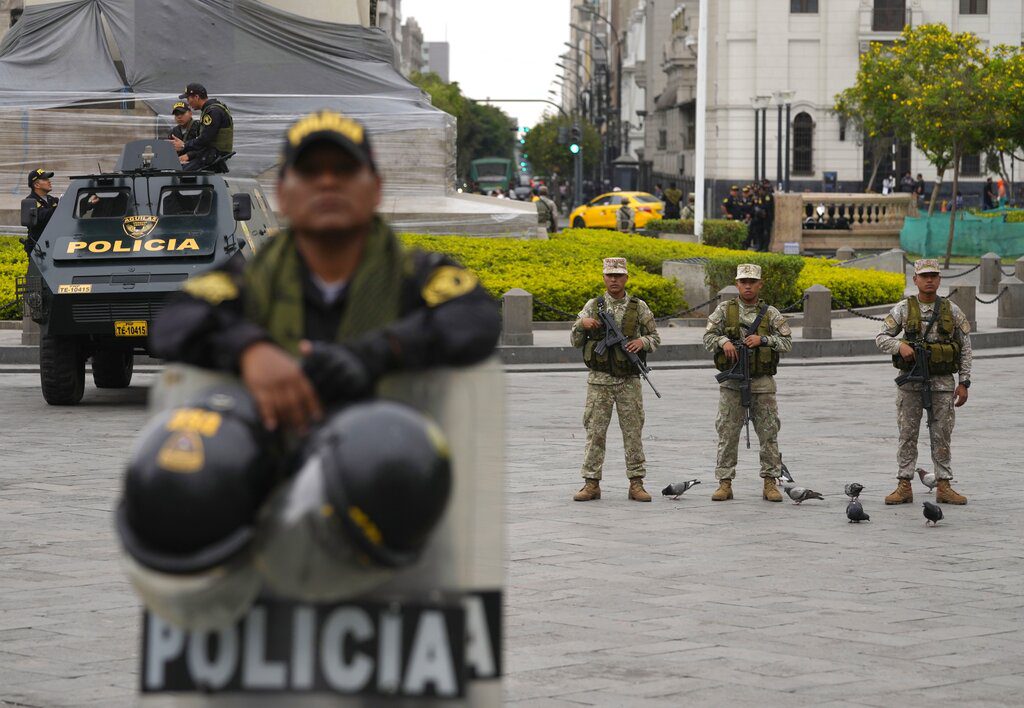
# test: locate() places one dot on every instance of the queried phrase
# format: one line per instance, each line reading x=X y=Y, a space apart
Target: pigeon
x=932 y=512
x=800 y=494
x=855 y=512
x=927 y=478
x=786 y=475
x=678 y=488
x=853 y=490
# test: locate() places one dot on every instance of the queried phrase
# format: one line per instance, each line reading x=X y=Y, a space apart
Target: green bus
x=489 y=173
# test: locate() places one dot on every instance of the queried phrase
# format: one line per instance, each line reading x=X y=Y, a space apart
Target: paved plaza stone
x=612 y=603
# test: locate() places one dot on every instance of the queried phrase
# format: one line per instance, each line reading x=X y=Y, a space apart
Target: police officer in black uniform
x=39 y=184
x=326 y=309
x=186 y=128
x=731 y=204
x=216 y=132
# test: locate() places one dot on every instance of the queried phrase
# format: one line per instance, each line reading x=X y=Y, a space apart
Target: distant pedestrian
x=547 y=210
x=919 y=187
x=658 y=191
x=989 y=197
x=907 y=183
x=625 y=217
x=613 y=381
x=672 y=197
x=689 y=211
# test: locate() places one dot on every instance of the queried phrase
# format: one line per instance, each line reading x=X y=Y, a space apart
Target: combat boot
x=945 y=494
x=724 y=490
x=771 y=492
x=637 y=491
x=903 y=494
x=591 y=490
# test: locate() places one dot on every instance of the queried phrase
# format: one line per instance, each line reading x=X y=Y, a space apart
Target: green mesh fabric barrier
x=974 y=235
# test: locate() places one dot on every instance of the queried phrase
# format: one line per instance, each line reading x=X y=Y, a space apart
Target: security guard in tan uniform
x=613 y=381
x=764 y=330
x=942 y=328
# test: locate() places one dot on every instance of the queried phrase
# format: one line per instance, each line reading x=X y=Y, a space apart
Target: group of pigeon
x=854 y=510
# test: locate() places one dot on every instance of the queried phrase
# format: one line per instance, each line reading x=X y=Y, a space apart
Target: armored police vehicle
x=117 y=245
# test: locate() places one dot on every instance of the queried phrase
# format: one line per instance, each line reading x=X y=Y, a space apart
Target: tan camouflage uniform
x=764 y=409
x=625 y=393
x=908 y=396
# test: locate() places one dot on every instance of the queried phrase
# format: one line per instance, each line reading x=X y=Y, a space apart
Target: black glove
x=337 y=374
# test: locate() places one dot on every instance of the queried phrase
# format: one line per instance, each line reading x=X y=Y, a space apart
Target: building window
x=15 y=16
x=973 y=7
x=970 y=165
x=800 y=7
x=842 y=129
x=803 y=145
x=889 y=16
x=662 y=139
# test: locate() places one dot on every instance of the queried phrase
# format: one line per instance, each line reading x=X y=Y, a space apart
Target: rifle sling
x=757 y=320
x=935 y=316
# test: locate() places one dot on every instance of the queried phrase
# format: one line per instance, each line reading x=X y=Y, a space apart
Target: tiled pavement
x=613 y=602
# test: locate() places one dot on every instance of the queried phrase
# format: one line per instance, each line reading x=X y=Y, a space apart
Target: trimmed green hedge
x=721 y=233
x=13 y=263
x=779 y=273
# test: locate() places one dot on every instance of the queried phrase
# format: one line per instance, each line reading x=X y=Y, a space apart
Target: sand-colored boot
x=771 y=491
x=903 y=494
x=591 y=490
x=945 y=494
x=724 y=490
x=637 y=491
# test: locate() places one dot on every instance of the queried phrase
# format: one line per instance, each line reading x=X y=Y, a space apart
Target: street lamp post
x=613 y=120
x=784 y=98
x=760 y=104
x=754 y=103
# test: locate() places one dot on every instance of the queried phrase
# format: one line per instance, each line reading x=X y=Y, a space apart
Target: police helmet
x=374 y=484
x=195 y=483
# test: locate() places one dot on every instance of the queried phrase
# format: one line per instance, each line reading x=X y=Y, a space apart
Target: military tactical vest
x=225 y=140
x=944 y=355
x=544 y=212
x=614 y=360
x=764 y=361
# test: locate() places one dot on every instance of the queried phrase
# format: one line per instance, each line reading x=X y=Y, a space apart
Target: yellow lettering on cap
x=156 y=244
x=100 y=246
x=76 y=246
x=195 y=420
x=325 y=121
x=188 y=244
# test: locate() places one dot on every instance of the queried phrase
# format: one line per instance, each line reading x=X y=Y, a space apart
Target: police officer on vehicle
x=941 y=328
x=186 y=128
x=327 y=308
x=216 y=132
x=39 y=196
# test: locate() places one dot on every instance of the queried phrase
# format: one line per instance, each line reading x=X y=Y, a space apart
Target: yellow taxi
x=600 y=212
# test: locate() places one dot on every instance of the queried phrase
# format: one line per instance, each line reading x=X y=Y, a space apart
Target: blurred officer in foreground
x=186 y=127
x=39 y=184
x=326 y=309
x=216 y=132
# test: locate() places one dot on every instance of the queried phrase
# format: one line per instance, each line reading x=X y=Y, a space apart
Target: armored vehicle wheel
x=112 y=368
x=61 y=370
x=579 y=223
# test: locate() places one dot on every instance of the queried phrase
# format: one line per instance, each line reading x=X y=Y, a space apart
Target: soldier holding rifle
x=936 y=344
x=747 y=336
x=615 y=356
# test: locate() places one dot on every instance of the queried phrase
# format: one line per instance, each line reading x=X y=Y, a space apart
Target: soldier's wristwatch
x=764 y=340
x=966 y=384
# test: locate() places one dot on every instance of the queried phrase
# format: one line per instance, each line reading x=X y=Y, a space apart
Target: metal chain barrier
x=686 y=311
x=852 y=311
x=1012 y=270
x=570 y=315
x=794 y=307
x=957 y=275
x=989 y=302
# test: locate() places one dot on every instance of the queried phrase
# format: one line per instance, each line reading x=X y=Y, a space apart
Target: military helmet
x=389 y=477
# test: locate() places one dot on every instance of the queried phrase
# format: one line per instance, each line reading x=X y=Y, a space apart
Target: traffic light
x=576 y=141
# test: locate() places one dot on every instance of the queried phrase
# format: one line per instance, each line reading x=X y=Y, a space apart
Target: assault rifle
x=613 y=337
x=740 y=371
x=920 y=374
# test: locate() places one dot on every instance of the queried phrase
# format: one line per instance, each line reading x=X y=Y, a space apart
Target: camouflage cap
x=748 y=270
x=926 y=265
x=615 y=266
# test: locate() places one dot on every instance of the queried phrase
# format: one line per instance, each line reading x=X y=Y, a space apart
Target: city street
x=611 y=602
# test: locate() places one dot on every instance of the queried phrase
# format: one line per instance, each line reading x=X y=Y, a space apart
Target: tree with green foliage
x=481 y=130
x=548 y=157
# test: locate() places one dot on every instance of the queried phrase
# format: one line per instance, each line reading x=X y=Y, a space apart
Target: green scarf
x=273 y=288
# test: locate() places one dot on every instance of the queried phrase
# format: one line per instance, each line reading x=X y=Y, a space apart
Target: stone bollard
x=963 y=297
x=845 y=253
x=1011 y=305
x=517 y=318
x=817 y=313
x=990 y=274
x=729 y=292
x=1019 y=268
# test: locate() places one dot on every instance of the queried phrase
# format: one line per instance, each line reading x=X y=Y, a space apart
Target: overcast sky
x=499 y=49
